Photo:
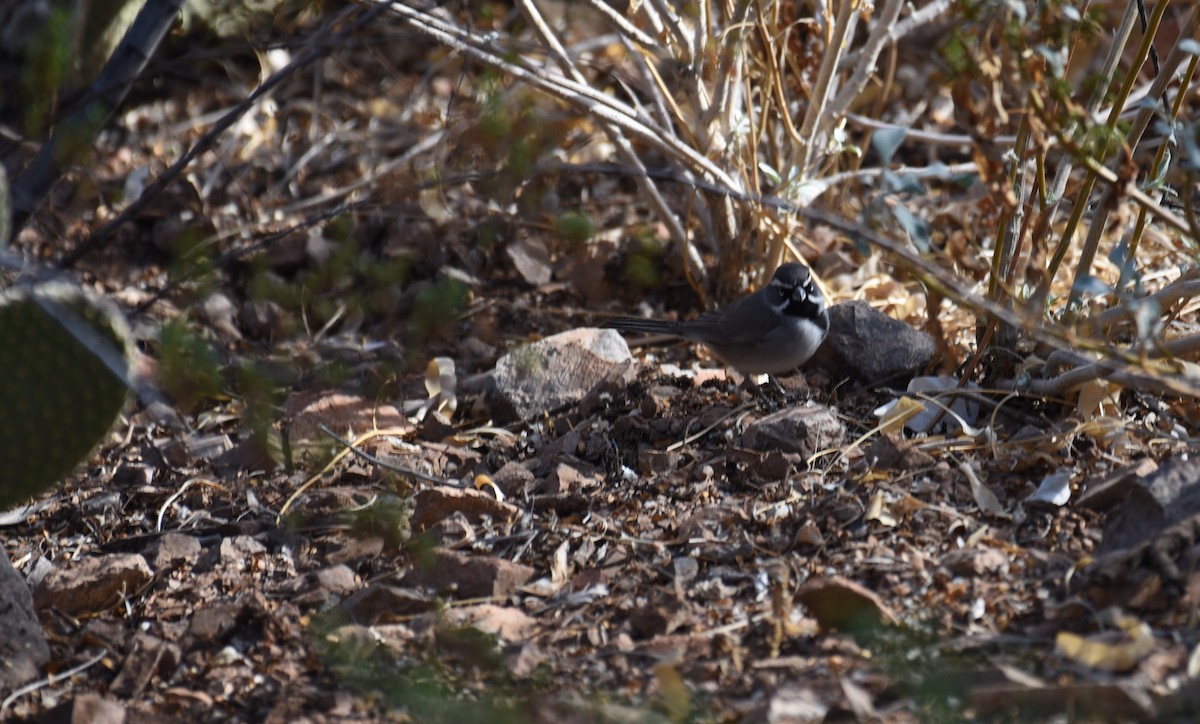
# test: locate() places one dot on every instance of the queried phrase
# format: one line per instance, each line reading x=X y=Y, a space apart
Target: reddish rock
x=838 y=603
x=433 y=505
x=94 y=584
x=467 y=576
x=804 y=429
x=379 y=602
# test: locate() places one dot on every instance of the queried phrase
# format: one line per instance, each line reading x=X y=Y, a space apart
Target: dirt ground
x=626 y=557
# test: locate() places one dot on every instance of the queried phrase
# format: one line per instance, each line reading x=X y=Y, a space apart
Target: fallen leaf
x=984 y=497
x=859 y=700
x=939 y=407
x=531 y=259
x=877 y=512
x=673 y=692
x=485 y=481
x=558 y=564
x=508 y=623
x=1105 y=653
x=896 y=413
x=1054 y=489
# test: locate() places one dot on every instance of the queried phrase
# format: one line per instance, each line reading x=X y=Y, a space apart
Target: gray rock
x=870 y=347
x=88 y=707
x=1153 y=503
x=23 y=648
x=172 y=548
x=560 y=370
x=803 y=429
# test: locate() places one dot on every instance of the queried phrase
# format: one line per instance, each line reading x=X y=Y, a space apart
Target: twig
x=870 y=53
x=1186 y=287
x=586 y=98
x=624 y=148
x=106 y=94
x=669 y=17
x=926 y=14
x=314 y=51
x=162 y=511
x=626 y=28
x=688 y=439
x=930 y=137
x=52 y=680
x=1086 y=370
x=812 y=129
x=352 y=447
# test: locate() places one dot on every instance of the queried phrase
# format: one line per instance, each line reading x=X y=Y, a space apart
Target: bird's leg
x=770 y=392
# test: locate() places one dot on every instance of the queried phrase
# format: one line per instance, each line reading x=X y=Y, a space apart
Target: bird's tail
x=645 y=326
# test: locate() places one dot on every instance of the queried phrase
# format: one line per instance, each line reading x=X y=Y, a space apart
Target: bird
x=771 y=331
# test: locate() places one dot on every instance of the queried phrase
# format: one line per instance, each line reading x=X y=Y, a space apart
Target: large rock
x=1151 y=503
x=560 y=370
x=23 y=648
x=868 y=346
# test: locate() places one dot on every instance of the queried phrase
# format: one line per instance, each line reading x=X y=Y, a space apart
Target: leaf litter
x=633 y=547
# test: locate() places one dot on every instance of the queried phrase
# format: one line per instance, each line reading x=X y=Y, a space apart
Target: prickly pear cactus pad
x=64 y=377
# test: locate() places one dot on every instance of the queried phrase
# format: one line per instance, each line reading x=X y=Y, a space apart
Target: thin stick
x=52 y=680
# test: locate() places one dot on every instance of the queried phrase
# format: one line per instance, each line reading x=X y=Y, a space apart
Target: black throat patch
x=806 y=308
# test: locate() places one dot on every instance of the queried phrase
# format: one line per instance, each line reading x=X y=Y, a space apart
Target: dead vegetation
x=451 y=184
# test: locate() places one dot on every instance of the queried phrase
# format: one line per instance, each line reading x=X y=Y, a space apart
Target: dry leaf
x=441 y=384
x=434 y=205
x=838 y=603
x=531 y=259
x=1054 y=489
x=1097 y=398
x=932 y=405
x=485 y=481
x=1109 y=432
x=984 y=497
x=810 y=534
x=673 y=692
x=859 y=700
x=542 y=588
x=945 y=410
x=1101 y=653
x=876 y=511
x=896 y=413
x=558 y=564
x=507 y=623
x=908 y=504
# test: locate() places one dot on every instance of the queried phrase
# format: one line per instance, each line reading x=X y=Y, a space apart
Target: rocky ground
x=393 y=468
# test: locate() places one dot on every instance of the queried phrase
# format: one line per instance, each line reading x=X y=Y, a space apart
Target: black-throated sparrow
x=771 y=331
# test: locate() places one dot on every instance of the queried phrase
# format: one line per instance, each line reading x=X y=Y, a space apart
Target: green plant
x=64 y=377
x=188 y=368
